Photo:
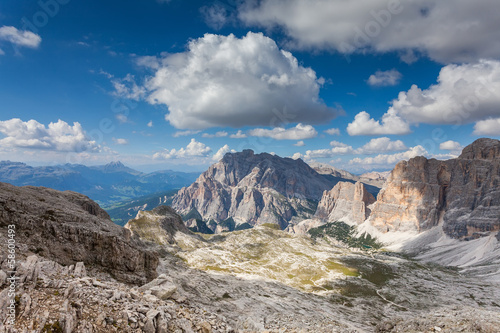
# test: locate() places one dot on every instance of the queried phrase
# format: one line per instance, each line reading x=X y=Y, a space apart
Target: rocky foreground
x=224 y=283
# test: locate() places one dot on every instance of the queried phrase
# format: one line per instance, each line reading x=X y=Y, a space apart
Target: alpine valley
x=258 y=243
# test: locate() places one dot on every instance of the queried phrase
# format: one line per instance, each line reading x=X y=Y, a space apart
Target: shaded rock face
x=254 y=189
x=462 y=194
x=69 y=227
x=158 y=226
x=345 y=202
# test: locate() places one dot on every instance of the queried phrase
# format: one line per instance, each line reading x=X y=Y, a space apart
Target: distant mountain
x=247 y=188
x=372 y=185
x=106 y=184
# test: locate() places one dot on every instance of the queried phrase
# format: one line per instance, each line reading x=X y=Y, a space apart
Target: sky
x=176 y=84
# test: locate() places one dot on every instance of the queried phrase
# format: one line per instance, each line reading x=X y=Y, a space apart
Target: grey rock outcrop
x=345 y=202
x=254 y=188
x=462 y=194
x=158 y=226
x=68 y=227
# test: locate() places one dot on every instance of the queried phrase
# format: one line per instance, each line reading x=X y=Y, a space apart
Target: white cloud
x=150 y=124
x=464 y=93
x=119 y=141
x=17 y=37
x=487 y=127
x=385 y=78
x=127 y=87
x=229 y=81
x=339 y=148
x=457 y=31
x=193 y=149
x=238 y=135
x=219 y=134
x=381 y=145
x=450 y=145
x=388 y=160
x=59 y=136
x=221 y=152
x=391 y=124
x=184 y=133
x=332 y=131
x=299 y=132
x=296 y=156
x=299 y=144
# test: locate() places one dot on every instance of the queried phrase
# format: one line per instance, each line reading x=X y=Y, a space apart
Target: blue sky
x=175 y=84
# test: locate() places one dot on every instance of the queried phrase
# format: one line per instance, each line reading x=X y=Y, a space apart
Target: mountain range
x=106 y=184
x=247 y=189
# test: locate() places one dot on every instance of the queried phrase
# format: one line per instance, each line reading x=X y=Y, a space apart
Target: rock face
x=69 y=227
x=254 y=189
x=158 y=226
x=345 y=202
x=462 y=194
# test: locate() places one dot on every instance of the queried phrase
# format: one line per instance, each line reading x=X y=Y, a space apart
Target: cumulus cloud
x=487 y=127
x=59 y=136
x=380 y=145
x=391 y=123
x=333 y=131
x=385 y=78
x=450 y=145
x=219 y=134
x=193 y=149
x=120 y=141
x=229 y=81
x=458 y=31
x=150 y=124
x=221 y=152
x=238 y=135
x=299 y=132
x=464 y=93
x=388 y=160
x=299 y=144
x=21 y=38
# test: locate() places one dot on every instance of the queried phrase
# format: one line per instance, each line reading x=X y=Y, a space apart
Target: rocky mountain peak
x=482 y=149
x=254 y=188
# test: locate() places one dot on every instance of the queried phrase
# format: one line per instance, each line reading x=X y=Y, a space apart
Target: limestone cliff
x=345 y=202
x=462 y=194
x=68 y=227
x=254 y=188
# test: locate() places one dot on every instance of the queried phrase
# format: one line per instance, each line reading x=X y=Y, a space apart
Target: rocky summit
x=254 y=189
x=462 y=194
